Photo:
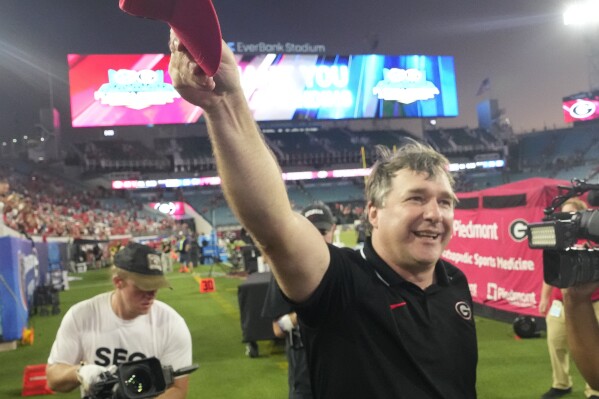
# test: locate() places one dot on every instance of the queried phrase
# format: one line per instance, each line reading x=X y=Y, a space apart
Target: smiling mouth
x=423 y=234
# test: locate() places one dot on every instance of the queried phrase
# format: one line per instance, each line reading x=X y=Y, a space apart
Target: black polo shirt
x=371 y=334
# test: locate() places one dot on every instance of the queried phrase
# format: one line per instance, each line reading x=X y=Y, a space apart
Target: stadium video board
x=583 y=107
x=136 y=89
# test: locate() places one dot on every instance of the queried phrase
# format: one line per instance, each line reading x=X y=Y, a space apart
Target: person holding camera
x=582 y=323
x=392 y=320
x=285 y=324
x=123 y=325
x=551 y=306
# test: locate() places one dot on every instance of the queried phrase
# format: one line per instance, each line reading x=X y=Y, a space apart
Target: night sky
x=522 y=46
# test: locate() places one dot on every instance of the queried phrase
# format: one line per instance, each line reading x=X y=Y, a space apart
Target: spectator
x=167 y=261
x=194 y=251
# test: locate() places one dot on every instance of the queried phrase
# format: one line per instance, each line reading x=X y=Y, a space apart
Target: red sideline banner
x=489 y=243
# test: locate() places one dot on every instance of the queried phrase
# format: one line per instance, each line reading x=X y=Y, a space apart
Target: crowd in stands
x=37 y=205
x=347 y=212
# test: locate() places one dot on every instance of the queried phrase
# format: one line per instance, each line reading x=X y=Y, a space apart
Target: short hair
x=118 y=272
x=576 y=203
x=413 y=156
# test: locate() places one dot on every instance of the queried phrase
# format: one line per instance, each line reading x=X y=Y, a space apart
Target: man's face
x=136 y=302
x=415 y=224
x=569 y=208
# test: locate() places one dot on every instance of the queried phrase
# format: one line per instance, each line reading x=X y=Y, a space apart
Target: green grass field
x=508 y=367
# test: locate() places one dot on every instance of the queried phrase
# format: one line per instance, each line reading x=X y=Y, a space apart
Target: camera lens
x=139 y=381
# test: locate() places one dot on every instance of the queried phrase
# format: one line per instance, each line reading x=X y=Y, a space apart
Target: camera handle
x=186 y=370
x=169 y=374
x=578 y=188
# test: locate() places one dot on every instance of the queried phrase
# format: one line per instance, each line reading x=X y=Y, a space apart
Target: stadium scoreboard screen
x=582 y=107
x=136 y=89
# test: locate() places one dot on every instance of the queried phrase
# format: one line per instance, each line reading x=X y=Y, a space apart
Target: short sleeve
x=178 y=349
x=67 y=345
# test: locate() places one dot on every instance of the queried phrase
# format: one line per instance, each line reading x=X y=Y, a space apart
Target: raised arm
x=583 y=331
x=251 y=177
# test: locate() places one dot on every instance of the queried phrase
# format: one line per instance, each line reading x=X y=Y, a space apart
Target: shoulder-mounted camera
x=564 y=262
x=145 y=378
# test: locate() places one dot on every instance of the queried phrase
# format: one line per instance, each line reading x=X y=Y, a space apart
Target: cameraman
x=552 y=307
x=582 y=315
x=123 y=325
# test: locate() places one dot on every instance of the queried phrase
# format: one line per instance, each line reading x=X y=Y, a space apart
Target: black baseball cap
x=320 y=215
x=143 y=265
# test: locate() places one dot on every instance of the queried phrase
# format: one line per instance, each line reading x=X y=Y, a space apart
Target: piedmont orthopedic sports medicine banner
x=136 y=89
x=489 y=243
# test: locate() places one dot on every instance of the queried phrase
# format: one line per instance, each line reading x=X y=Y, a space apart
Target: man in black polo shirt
x=391 y=321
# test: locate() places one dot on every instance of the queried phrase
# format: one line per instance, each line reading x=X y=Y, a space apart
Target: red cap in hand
x=194 y=22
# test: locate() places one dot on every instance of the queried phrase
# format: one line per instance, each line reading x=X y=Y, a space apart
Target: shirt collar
x=388 y=275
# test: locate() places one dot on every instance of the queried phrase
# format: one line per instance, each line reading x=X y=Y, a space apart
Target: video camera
x=138 y=379
x=565 y=264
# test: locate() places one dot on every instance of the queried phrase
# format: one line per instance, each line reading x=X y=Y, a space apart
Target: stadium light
x=582 y=13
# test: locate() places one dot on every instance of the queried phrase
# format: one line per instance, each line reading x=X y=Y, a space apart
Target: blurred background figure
x=165 y=250
x=285 y=323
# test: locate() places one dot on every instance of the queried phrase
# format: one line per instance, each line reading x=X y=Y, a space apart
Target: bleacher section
x=462 y=141
x=561 y=153
x=312 y=148
x=117 y=155
x=187 y=153
x=333 y=191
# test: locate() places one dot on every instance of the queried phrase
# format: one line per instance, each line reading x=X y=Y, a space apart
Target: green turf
x=508 y=368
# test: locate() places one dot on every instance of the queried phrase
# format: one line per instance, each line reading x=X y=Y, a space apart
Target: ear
x=372 y=212
x=118 y=282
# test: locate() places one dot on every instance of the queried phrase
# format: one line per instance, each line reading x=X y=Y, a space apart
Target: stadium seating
x=62 y=206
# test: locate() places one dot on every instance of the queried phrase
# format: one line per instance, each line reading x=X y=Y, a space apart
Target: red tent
x=489 y=243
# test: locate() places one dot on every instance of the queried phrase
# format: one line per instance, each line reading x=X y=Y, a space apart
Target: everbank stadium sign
x=240 y=47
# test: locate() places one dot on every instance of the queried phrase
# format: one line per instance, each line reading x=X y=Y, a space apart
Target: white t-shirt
x=91 y=332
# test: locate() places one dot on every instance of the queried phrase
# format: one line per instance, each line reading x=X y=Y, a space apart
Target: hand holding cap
x=194 y=22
